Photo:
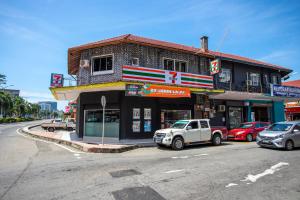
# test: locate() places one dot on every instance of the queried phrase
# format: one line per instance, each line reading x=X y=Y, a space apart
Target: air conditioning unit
x=221 y=108
x=84 y=63
x=249 y=82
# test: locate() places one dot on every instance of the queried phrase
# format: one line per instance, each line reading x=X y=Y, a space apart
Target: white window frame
x=257 y=81
x=102 y=72
x=174 y=65
x=138 y=61
x=226 y=76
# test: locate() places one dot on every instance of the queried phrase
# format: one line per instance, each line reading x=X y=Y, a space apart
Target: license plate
x=158 y=140
x=266 y=141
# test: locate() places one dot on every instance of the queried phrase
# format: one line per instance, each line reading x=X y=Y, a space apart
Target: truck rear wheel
x=217 y=140
x=70 y=129
x=177 y=143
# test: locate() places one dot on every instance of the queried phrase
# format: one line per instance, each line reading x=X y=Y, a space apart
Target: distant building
x=48 y=105
x=12 y=92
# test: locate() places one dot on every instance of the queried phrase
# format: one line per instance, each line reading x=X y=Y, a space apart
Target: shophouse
x=149 y=84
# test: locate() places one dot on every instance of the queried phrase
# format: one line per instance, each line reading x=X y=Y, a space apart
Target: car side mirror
x=188 y=128
x=296 y=131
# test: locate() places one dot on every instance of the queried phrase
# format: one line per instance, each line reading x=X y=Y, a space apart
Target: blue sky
x=35 y=35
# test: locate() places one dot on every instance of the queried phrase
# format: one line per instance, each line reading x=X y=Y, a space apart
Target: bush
x=17 y=119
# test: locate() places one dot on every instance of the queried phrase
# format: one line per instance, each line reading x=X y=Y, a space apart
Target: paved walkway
x=71 y=139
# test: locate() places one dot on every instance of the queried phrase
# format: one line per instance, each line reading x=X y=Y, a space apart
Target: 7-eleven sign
x=215 y=66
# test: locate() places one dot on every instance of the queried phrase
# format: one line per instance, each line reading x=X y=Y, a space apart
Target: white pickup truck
x=186 y=132
x=68 y=124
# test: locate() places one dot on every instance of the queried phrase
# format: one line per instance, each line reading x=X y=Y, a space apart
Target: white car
x=187 y=132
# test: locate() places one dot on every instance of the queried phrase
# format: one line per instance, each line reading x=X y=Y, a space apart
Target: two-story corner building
x=149 y=84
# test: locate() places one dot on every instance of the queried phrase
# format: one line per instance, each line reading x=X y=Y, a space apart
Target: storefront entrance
x=93 y=124
x=168 y=117
x=235 y=117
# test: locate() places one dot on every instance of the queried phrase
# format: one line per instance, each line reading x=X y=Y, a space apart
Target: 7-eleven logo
x=173 y=77
x=215 y=66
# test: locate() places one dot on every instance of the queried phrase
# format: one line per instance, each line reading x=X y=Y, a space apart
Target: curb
x=77 y=145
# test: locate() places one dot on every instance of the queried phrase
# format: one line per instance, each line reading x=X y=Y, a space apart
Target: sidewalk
x=71 y=139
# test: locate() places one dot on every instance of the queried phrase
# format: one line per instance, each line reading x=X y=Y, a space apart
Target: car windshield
x=247 y=125
x=280 y=127
x=179 y=124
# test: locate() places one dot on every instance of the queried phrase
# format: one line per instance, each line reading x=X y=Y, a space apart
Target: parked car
x=247 y=131
x=68 y=124
x=188 y=132
x=280 y=135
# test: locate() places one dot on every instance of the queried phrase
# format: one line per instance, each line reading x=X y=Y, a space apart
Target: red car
x=247 y=131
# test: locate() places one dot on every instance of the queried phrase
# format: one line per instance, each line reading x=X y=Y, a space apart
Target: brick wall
x=148 y=57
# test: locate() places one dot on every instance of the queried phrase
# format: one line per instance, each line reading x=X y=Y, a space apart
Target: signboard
x=103 y=101
x=136 y=126
x=67 y=109
x=143 y=74
x=285 y=91
x=136 y=113
x=57 y=80
x=215 y=66
x=149 y=90
x=133 y=90
x=147 y=113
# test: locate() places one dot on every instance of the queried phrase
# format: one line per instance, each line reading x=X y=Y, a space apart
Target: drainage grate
x=137 y=193
x=122 y=173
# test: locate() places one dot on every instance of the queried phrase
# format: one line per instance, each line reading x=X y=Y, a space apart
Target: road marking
x=182 y=157
x=203 y=154
x=231 y=184
x=272 y=170
x=48 y=142
x=174 y=171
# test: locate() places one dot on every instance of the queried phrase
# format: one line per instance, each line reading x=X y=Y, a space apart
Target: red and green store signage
x=142 y=74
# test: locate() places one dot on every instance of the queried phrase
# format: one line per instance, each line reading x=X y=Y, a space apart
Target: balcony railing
x=243 y=87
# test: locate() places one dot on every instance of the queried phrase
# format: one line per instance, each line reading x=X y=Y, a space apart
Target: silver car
x=280 y=135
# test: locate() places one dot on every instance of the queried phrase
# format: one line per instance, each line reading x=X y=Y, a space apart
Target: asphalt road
x=32 y=169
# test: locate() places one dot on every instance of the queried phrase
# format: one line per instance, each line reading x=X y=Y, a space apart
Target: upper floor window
x=274 y=79
x=135 y=62
x=254 y=79
x=175 y=65
x=102 y=64
x=225 y=75
x=266 y=80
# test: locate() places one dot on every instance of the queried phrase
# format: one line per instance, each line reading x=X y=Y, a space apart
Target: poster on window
x=147 y=113
x=136 y=113
x=136 y=126
x=147 y=126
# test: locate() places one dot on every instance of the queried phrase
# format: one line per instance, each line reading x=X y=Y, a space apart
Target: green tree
x=6 y=103
x=2 y=80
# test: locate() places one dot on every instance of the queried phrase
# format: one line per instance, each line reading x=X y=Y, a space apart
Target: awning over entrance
x=244 y=96
x=71 y=93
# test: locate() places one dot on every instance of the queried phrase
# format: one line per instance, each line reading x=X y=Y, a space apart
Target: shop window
x=204 y=124
x=225 y=75
x=254 y=79
x=175 y=65
x=102 y=64
x=135 y=62
x=94 y=120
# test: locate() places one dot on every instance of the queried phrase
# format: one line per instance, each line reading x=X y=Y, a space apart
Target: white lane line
x=272 y=170
x=174 y=171
x=182 y=157
x=231 y=184
x=48 y=142
x=203 y=154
